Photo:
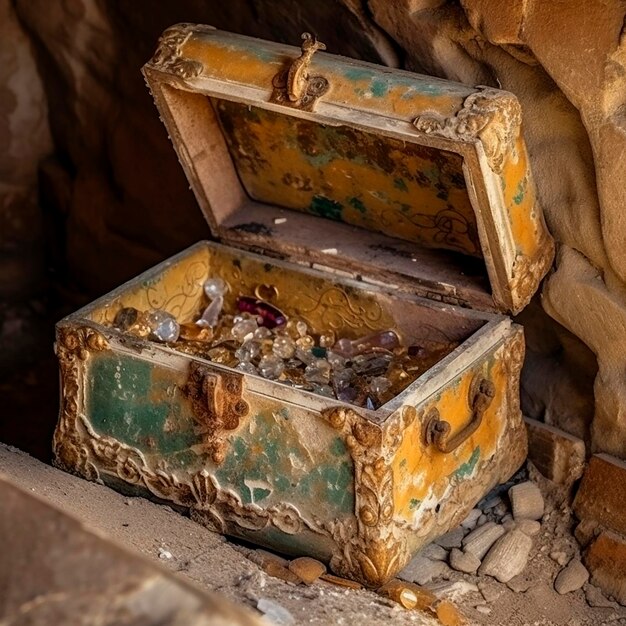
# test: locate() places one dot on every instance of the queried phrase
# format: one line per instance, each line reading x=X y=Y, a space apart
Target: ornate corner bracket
x=489 y=115
x=372 y=552
x=293 y=86
x=169 y=56
x=73 y=347
x=528 y=272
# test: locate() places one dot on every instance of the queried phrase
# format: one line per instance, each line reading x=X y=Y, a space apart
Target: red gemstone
x=270 y=315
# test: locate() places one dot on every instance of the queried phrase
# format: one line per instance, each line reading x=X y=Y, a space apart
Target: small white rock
x=275 y=613
x=452 y=590
x=572 y=577
x=472 y=518
x=526 y=501
x=164 y=554
x=529 y=527
x=559 y=556
x=482 y=538
x=452 y=539
x=421 y=570
x=464 y=561
x=508 y=556
x=485 y=610
x=280 y=220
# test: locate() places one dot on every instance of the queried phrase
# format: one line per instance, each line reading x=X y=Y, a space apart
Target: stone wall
x=117 y=192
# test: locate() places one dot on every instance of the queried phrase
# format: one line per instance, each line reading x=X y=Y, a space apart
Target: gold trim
x=372 y=550
x=527 y=272
x=73 y=346
x=490 y=116
x=169 y=57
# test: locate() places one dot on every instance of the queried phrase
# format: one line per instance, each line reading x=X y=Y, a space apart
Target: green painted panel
x=139 y=404
x=269 y=462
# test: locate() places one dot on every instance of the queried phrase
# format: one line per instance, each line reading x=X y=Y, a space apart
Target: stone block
x=558 y=455
x=606 y=560
x=602 y=493
x=53 y=570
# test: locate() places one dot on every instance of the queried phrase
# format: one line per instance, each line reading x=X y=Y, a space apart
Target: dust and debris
x=220 y=565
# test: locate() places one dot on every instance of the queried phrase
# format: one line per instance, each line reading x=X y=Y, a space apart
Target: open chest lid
x=399 y=179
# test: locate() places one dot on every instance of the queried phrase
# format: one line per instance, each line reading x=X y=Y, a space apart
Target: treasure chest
x=386 y=216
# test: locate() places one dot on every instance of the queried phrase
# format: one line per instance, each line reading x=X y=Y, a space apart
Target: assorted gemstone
x=260 y=339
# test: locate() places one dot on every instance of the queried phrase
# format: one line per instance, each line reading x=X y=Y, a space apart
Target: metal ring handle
x=437 y=431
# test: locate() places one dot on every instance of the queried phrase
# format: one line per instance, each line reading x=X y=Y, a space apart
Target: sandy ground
x=221 y=565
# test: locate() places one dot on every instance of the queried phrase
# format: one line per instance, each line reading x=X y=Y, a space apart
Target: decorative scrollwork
x=528 y=272
x=73 y=346
x=371 y=550
x=169 y=57
x=335 y=310
x=492 y=116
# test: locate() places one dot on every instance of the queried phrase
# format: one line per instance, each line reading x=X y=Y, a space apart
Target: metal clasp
x=217 y=405
x=293 y=86
x=436 y=431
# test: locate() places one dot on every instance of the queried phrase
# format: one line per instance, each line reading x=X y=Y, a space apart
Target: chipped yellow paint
x=422 y=473
x=520 y=199
x=254 y=62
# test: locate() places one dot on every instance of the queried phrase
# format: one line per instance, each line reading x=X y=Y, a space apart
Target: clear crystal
x=306 y=356
x=214 y=287
x=306 y=342
x=248 y=351
x=271 y=366
x=245 y=316
x=335 y=359
x=212 y=313
x=301 y=328
x=262 y=332
x=327 y=339
x=246 y=367
x=379 y=385
x=385 y=339
x=243 y=328
x=284 y=347
x=318 y=371
x=163 y=325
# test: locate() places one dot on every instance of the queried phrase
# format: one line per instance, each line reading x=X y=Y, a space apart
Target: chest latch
x=217 y=406
x=293 y=86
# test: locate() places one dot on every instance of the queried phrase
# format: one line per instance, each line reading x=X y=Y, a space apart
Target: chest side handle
x=436 y=431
